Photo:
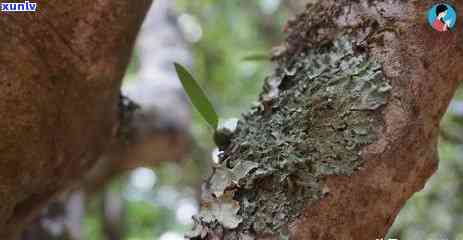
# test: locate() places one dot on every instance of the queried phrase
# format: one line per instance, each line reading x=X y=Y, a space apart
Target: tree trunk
x=346 y=130
x=153 y=131
x=59 y=90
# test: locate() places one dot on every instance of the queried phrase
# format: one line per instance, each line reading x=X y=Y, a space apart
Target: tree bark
x=59 y=88
x=151 y=131
x=347 y=128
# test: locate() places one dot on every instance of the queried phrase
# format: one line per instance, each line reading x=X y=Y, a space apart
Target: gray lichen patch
x=316 y=113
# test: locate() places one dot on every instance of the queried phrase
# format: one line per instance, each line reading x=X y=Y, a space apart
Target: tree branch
x=59 y=89
x=347 y=129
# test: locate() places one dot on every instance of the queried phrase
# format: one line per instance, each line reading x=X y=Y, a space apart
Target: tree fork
x=347 y=129
x=59 y=88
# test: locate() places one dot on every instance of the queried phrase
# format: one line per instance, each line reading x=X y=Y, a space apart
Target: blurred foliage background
x=221 y=34
x=160 y=201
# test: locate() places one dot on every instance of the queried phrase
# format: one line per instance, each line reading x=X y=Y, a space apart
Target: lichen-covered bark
x=346 y=130
x=60 y=76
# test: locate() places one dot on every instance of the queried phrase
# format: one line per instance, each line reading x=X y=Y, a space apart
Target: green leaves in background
x=257 y=57
x=197 y=96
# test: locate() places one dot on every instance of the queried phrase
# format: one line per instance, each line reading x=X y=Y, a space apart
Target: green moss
x=317 y=112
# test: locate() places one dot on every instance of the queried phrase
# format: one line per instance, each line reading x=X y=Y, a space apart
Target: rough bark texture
x=347 y=130
x=424 y=67
x=59 y=89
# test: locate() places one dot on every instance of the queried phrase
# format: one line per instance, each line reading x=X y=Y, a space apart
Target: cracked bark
x=422 y=66
x=59 y=87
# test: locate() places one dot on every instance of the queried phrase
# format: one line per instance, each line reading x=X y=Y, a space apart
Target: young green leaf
x=197 y=96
